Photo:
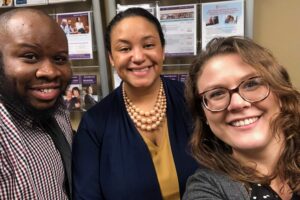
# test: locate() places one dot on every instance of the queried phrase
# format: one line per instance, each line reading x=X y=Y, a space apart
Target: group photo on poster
x=77 y=27
x=81 y=93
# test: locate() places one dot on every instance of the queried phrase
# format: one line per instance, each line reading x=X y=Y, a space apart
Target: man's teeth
x=46 y=90
x=244 y=122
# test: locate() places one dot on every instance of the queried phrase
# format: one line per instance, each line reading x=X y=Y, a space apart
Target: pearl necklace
x=147 y=120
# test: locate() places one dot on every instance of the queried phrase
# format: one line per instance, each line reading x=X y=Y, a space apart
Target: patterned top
x=265 y=192
x=30 y=165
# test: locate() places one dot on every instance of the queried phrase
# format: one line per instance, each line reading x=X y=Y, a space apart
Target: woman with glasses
x=247 y=124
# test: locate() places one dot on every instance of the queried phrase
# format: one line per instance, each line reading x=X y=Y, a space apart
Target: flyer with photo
x=147 y=7
x=89 y=90
x=78 y=29
x=6 y=3
x=171 y=76
x=73 y=95
x=179 y=27
x=81 y=93
x=30 y=2
x=222 y=19
x=177 y=77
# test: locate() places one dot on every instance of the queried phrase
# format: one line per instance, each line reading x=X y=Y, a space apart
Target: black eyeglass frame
x=234 y=90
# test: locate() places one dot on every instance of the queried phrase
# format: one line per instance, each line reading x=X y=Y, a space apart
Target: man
x=66 y=26
x=35 y=130
x=70 y=26
x=89 y=100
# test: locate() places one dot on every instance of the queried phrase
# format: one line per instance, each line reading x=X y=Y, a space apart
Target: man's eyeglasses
x=251 y=90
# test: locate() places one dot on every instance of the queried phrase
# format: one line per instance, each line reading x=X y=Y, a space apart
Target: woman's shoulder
x=205 y=173
x=209 y=184
x=210 y=177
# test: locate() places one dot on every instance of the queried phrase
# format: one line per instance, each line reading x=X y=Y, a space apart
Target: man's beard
x=10 y=96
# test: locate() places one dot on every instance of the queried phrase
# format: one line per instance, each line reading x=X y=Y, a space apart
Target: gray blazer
x=206 y=184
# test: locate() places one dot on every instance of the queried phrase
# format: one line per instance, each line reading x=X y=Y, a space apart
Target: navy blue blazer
x=110 y=159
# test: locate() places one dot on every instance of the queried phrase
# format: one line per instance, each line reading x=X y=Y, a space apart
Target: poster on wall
x=89 y=90
x=30 y=2
x=222 y=19
x=177 y=77
x=81 y=93
x=179 y=27
x=62 y=1
x=77 y=27
x=6 y=3
x=73 y=97
x=121 y=8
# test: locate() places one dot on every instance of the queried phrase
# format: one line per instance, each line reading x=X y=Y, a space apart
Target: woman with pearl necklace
x=133 y=144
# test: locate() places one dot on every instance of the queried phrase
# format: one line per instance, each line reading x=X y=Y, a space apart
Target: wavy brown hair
x=213 y=153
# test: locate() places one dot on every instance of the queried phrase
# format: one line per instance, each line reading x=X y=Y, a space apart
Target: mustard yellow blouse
x=162 y=158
